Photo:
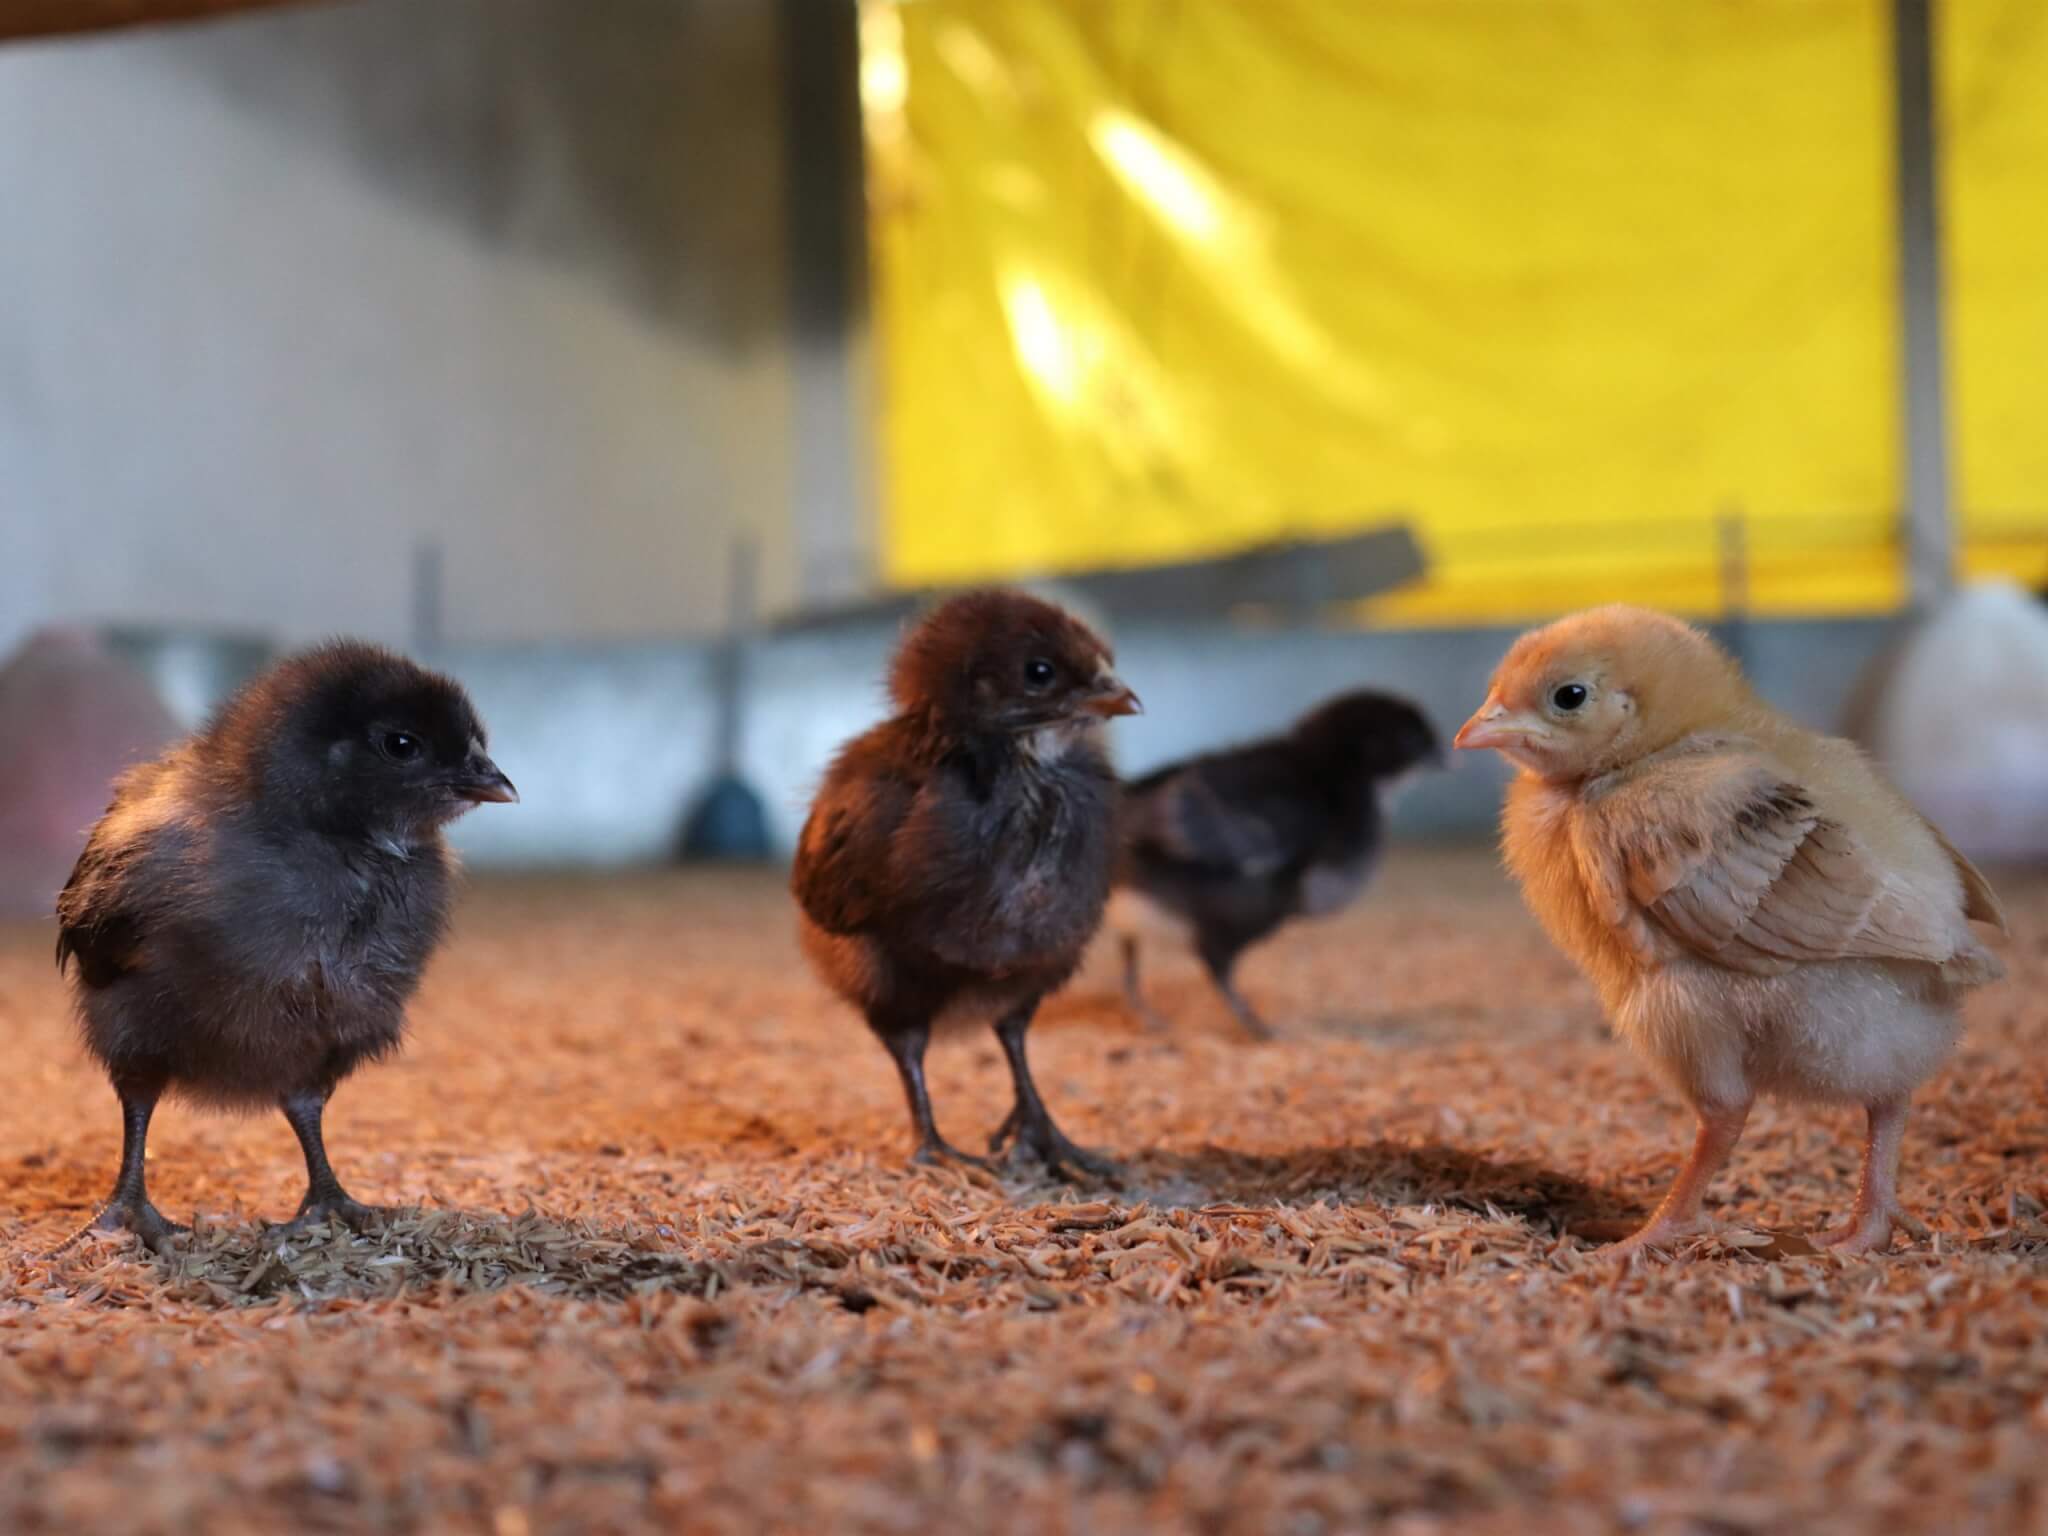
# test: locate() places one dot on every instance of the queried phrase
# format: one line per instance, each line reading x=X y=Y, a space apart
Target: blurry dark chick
x=959 y=854
x=1234 y=844
x=250 y=917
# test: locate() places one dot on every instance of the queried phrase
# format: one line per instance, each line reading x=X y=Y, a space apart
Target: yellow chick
x=1760 y=911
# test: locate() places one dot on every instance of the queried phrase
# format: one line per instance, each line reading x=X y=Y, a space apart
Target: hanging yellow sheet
x=1576 y=287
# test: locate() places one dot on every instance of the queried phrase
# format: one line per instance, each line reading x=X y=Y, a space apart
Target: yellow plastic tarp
x=1582 y=289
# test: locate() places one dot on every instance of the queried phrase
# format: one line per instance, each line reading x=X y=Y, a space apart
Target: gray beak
x=482 y=783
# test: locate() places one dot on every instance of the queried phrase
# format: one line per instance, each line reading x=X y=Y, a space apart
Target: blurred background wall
x=298 y=295
x=493 y=327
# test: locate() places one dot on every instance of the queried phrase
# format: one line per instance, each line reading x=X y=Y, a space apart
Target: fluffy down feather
x=1759 y=909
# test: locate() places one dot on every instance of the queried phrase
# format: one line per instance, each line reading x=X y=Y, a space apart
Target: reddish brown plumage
x=959 y=854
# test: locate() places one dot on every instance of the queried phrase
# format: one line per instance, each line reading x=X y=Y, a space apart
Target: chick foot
x=1678 y=1215
x=1877 y=1210
x=1248 y=1017
x=1029 y=1124
x=936 y=1152
x=1134 y=994
x=1871 y=1231
x=1241 y=1009
x=1038 y=1136
x=135 y=1215
x=128 y=1208
x=1661 y=1236
x=335 y=1205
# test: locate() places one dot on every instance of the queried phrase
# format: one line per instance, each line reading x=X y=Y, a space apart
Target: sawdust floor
x=669 y=1269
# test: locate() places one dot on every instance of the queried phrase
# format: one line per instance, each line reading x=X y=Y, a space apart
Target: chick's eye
x=1038 y=672
x=399 y=746
x=1570 y=696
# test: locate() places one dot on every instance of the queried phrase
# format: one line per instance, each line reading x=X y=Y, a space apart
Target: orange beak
x=1491 y=727
x=1111 y=698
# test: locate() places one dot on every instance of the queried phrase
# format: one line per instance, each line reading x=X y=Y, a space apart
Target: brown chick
x=958 y=856
x=1760 y=911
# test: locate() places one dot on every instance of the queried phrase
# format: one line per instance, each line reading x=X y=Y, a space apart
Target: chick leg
x=1029 y=1122
x=128 y=1208
x=906 y=1043
x=1222 y=961
x=1869 y=1228
x=1679 y=1214
x=1134 y=994
x=325 y=1197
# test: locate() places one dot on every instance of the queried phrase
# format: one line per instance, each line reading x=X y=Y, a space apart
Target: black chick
x=1236 y=843
x=960 y=853
x=251 y=915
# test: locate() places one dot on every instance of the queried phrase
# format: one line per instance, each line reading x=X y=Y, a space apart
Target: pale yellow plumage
x=1760 y=911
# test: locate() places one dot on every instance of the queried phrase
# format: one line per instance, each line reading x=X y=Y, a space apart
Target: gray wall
x=291 y=293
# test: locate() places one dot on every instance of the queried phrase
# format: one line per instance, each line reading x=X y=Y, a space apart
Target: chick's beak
x=481 y=782
x=1110 y=698
x=1492 y=727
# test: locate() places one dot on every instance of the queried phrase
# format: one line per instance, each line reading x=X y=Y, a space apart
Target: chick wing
x=1718 y=853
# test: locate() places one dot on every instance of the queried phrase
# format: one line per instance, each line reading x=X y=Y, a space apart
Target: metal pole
x=1733 y=529
x=1925 y=531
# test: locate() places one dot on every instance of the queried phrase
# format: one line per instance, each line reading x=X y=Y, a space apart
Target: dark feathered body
x=251 y=916
x=1239 y=842
x=959 y=855
x=935 y=871
x=234 y=954
x=1234 y=844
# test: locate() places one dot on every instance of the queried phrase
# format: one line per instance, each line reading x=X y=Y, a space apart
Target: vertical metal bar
x=830 y=491
x=742 y=588
x=1926 y=530
x=1733 y=530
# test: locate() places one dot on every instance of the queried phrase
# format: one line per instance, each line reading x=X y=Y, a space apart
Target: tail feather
x=1972 y=966
x=1980 y=901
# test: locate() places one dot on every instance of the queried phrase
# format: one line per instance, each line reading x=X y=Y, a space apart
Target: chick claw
x=1871 y=1231
x=151 y=1226
x=1046 y=1142
x=1064 y=1156
x=1006 y=1130
x=1248 y=1018
x=936 y=1153
x=337 y=1208
x=1657 y=1239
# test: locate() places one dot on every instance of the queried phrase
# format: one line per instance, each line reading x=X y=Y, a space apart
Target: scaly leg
x=1134 y=994
x=324 y=1195
x=1869 y=1227
x=1222 y=962
x=128 y=1208
x=1029 y=1122
x=1679 y=1214
x=906 y=1045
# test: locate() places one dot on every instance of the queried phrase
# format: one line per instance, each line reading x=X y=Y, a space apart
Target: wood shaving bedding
x=662 y=1265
